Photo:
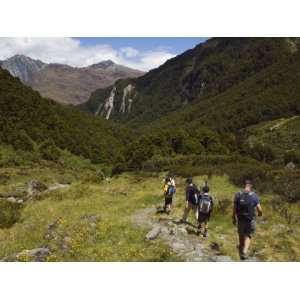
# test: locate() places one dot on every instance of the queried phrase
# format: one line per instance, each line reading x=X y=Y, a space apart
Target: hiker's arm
x=234 y=212
x=259 y=210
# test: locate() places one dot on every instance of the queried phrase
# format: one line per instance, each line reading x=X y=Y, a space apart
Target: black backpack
x=205 y=204
x=193 y=195
x=245 y=208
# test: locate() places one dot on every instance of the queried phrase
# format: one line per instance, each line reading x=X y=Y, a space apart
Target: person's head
x=248 y=185
x=189 y=180
x=205 y=189
x=167 y=180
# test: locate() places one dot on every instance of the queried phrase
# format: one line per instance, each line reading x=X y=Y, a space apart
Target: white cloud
x=129 y=52
x=70 y=51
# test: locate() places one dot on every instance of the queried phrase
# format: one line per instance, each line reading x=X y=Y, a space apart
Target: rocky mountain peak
x=22 y=66
x=103 y=64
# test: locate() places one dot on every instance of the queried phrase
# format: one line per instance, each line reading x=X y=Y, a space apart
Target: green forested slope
x=26 y=117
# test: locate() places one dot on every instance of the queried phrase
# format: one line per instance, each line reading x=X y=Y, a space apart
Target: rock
x=35 y=255
x=221 y=258
x=66 y=242
x=57 y=186
x=290 y=166
x=153 y=233
x=12 y=199
x=90 y=218
x=35 y=187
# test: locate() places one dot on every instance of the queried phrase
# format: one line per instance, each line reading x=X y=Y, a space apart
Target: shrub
x=261 y=175
x=288 y=186
x=21 y=141
x=49 y=151
x=292 y=156
x=9 y=213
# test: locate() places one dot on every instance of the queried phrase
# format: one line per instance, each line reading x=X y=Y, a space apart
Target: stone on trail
x=153 y=233
x=34 y=255
x=221 y=258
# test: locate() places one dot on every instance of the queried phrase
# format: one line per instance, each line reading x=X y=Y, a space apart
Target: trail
x=181 y=238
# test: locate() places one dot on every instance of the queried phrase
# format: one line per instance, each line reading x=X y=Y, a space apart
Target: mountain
x=214 y=79
x=63 y=83
x=27 y=119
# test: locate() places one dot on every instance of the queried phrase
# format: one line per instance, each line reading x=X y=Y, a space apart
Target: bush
x=292 y=156
x=261 y=175
x=261 y=152
x=9 y=213
x=21 y=141
x=288 y=186
x=49 y=151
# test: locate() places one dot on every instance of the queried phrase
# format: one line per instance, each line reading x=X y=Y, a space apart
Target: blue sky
x=138 y=53
x=176 y=45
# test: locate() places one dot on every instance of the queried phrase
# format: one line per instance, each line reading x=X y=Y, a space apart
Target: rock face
x=64 y=83
x=112 y=104
x=34 y=255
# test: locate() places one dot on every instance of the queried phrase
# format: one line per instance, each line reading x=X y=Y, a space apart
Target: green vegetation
x=27 y=118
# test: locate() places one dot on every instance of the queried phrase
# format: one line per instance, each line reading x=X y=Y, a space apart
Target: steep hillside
x=270 y=94
x=208 y=70
x=282 y=135
x=26 y=117
x=64 y=83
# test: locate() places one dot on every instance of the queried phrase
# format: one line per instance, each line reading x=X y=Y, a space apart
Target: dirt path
x=181 y=238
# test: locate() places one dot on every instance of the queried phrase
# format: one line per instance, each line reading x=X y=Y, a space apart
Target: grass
x=91 y=220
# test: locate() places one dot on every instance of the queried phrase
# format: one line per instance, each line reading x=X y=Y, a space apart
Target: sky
x=139 y=53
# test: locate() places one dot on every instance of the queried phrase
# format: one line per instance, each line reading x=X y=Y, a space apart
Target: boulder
x=153 y=233
x=34 y=255
x=35 y=187
x=221 y=258
x=57 y=186
x=290 y=166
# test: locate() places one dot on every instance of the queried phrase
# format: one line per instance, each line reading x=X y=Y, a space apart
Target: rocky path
x=181 y=238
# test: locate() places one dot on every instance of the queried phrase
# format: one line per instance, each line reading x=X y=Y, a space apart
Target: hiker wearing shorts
x=205 y=209
x=246 y=205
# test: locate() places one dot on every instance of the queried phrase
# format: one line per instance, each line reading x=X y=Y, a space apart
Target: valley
x=83 y=182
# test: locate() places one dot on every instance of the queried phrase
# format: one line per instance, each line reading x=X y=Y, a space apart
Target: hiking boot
x=205 y=233
x=243 y=256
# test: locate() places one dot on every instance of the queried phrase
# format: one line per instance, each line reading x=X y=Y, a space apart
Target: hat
x=189 y=180
x=248 y=181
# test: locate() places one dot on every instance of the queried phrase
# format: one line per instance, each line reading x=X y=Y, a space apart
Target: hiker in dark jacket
x=246 y=205
x=191 y=197
x=205 y=209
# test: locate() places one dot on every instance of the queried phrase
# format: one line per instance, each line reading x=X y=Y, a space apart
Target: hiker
x=169 y=191
x=192 y=200
x=204 y=210
x=246 y=204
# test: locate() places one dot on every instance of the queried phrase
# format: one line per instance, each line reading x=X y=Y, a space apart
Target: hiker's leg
x=186 y=212
x=247 y=242
x=241 y=243
x=195 y=208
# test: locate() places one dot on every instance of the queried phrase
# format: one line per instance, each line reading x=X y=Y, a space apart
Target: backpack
x=169 y=190
x=205 y=204
x=193 y=195
x=245 y=208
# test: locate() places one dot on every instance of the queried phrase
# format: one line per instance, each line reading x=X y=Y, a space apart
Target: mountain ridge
x=64 y=83
x=205 y=71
